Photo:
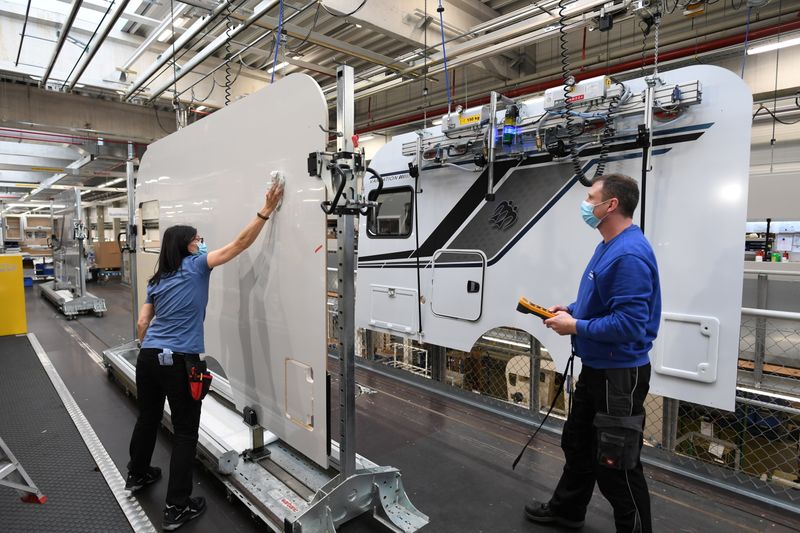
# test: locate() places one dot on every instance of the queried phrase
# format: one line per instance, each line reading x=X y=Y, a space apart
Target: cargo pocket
x=618 y=439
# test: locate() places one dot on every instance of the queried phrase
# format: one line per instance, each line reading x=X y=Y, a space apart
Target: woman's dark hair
x=174 y=247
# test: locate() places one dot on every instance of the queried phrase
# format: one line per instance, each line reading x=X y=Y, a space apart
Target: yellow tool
x=528 y=307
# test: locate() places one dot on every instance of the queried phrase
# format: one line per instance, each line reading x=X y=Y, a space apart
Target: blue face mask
x=587 y=211
x=202 y=249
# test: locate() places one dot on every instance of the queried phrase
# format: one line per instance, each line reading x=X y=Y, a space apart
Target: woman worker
x=170 y=327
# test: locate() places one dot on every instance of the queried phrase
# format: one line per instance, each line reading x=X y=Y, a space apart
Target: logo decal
x=504 y=216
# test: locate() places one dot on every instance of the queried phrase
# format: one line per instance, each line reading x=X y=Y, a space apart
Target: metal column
x=345 y=109
x=369 y=344
x=131 y=234
x=101 y=224
x=669 y=423
x=438 y=365
x=535 y=370
x=347 y=380
x=760 y=348
x=80 y=236
x=345 y=253
x=368 y=489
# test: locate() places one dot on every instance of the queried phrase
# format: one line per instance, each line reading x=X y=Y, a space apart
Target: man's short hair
x=624 y=188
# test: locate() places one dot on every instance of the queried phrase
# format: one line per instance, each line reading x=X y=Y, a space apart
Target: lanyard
x=568 y=372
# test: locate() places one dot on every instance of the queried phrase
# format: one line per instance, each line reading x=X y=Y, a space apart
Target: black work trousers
x=154 y=383
x=621 y=393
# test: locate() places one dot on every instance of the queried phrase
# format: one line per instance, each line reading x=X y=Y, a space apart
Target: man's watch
x=138 y=343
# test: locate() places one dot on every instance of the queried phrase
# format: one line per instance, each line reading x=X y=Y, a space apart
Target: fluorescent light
x=359 y=26
x=773 y=46
x=503 y=341
x=165 y=35
x=365 y=138
x=297 y=58
x=31 y=204
x=181 y=21
x=202 y=108
x=112 y=182
x=437 y=122
x=277 y=67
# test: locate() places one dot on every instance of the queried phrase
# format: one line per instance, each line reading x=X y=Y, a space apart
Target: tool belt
x=199 y=378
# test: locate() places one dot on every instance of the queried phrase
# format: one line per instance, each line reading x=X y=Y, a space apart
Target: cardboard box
x=107 y=255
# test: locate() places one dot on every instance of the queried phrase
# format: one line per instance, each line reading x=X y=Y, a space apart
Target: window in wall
x=151 y=235
x=393 y=216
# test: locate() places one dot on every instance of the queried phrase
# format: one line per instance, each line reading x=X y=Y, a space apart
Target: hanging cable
x=344 y=15
x=657 y=23
x=277 y=42
x=176 y=105
x=646 y=25
x=179 y=54
x=569 y=86
x=746 y=40
x=201 y=100
x=440 y=10
x=296 y=48
x=773 y=140
x=228 y=70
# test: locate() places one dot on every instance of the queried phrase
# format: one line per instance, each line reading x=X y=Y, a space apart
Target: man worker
x=612 y=324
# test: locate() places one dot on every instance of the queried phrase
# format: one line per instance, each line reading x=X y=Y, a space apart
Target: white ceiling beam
x=62 y=37
x=126 y=15
x=96 y=43
x=507 y=37
x=198 y=26
x=165 y=24
x=37 y=150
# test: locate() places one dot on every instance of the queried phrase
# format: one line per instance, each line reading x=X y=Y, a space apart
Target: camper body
x=448 y=254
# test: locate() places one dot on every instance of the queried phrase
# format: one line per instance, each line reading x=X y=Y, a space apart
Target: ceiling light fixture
x=773 y=46
x=112 y=182
x=277 y=67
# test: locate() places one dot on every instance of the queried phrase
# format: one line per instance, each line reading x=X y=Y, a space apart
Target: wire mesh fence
x=756 y=445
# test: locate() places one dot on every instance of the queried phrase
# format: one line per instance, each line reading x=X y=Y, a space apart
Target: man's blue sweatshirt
x=618 y=307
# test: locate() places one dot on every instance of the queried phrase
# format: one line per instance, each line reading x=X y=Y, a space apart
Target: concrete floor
x=455 y=459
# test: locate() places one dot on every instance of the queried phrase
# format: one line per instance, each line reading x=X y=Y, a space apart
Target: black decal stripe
x=556 y=198
x=465 y=206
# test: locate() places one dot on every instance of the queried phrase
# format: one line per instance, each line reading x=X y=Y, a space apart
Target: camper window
x=393 y=215
x=151 y=234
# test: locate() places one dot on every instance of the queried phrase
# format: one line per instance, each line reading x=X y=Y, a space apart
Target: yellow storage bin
x=12 y=296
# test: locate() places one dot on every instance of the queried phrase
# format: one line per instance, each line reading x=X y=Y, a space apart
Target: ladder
x=14 y=476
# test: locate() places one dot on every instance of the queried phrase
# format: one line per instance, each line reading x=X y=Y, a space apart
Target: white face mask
x=587 y=212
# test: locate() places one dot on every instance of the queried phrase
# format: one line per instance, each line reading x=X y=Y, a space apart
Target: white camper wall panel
x=696 y=212
x=266 y=315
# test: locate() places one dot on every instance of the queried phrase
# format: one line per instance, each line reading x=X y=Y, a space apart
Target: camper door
x=387 y=298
